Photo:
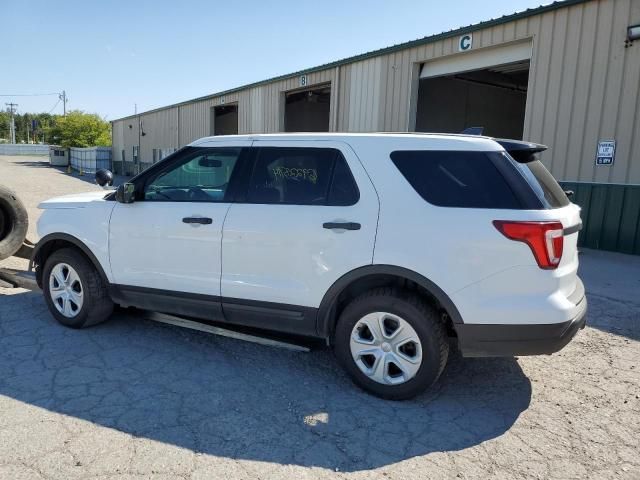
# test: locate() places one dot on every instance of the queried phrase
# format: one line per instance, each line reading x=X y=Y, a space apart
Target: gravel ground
x=136 y=399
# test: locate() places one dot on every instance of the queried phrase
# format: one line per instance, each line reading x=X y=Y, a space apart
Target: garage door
x=308 y=110
x=477 y=60
x=486 y=88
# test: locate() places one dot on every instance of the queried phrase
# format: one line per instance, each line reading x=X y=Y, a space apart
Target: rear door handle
x=200 y=220
x=341 y=225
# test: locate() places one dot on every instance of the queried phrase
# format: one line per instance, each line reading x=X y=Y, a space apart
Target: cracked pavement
x=132 y=398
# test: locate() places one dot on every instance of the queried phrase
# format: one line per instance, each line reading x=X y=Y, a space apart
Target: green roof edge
x=375 y=53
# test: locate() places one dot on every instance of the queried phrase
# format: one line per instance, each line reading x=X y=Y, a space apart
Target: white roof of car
x=426 y=141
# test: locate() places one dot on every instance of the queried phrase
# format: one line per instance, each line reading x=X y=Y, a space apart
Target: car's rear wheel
x=391 y=343
x=74 y=291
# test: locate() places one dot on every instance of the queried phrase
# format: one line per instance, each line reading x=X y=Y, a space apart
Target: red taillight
x=546 y=239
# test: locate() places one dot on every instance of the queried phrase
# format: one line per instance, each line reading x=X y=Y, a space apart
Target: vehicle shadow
x=34 y=163
x=225 y=397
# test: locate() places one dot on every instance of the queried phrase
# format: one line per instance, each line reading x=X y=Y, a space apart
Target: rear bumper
x=485 y=340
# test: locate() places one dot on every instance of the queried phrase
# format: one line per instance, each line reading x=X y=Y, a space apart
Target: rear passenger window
x=301 y=176
x=456 y=179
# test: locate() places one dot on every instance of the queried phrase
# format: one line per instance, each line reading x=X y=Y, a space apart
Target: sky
x=110 y=55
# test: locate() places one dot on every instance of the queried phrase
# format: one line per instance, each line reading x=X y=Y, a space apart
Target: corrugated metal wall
x=610 y=216
x=583 y=87
x=161 y=131
x=260 y=108
x=194 y=121
x=364 y=90
x=130 y=136
x=117 y=142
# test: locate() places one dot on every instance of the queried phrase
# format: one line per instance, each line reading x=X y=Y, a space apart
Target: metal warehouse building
x=566 y=75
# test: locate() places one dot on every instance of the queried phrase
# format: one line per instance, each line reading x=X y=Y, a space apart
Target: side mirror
x=104 y=177
x=126 y=193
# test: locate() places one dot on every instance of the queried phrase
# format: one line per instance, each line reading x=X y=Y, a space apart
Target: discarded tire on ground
x=13 y=223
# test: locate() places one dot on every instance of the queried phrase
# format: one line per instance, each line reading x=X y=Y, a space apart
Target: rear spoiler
x=521 y=151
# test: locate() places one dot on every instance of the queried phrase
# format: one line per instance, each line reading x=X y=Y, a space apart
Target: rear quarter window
x=461 y=179
x=543 y=184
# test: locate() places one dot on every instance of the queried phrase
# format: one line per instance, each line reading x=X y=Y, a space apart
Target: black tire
x=424 y=320
x=96 y=306
x=14 y=223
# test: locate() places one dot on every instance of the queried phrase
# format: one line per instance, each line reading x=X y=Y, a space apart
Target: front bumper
x=485 y=340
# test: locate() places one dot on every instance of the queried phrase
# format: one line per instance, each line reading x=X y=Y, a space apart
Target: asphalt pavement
x=132 y=398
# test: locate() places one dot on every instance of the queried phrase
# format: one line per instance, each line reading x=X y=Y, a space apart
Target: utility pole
x=63 y=97
x=12 y=127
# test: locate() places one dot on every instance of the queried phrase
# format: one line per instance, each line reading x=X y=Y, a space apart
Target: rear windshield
x=543 y=184
x=457 y=179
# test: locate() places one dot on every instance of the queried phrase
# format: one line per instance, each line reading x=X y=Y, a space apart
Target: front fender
x=54 y=241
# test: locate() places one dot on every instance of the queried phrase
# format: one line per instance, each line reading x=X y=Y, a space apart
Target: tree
x=24 y=126
x=5 y=119
x=79 y=129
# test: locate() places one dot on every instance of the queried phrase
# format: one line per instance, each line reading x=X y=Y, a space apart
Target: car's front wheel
x=74 y=291
x=391 y=343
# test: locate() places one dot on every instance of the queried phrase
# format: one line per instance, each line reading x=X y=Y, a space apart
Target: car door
x=164 y=248
x=309 y=216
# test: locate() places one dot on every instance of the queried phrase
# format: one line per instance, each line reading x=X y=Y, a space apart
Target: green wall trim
x=610 y=215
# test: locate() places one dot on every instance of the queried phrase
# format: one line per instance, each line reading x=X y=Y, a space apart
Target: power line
x=62 y=97
x=29 y=94
x=54 y=107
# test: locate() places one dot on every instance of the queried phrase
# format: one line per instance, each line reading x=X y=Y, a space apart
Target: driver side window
x=200 y=177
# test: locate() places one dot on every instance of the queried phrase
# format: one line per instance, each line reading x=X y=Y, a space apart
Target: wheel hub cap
x=65 y=289
x=386 y=348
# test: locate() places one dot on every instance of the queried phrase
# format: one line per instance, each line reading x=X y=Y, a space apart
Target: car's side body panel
x=283 y=253
x=326 y=312
x=491 y=279
x=150 y=246
x=84 y=217
x=205 y=307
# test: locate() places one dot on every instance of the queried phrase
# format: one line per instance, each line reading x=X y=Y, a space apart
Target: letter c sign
x=465 y=42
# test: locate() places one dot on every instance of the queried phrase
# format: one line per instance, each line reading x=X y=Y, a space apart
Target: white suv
x=386 y=245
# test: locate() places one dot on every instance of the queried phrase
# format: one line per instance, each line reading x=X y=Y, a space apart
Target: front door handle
x=200 y=220
x=341 y=225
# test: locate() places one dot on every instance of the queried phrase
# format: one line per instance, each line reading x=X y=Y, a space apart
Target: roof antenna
x=472 y=131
